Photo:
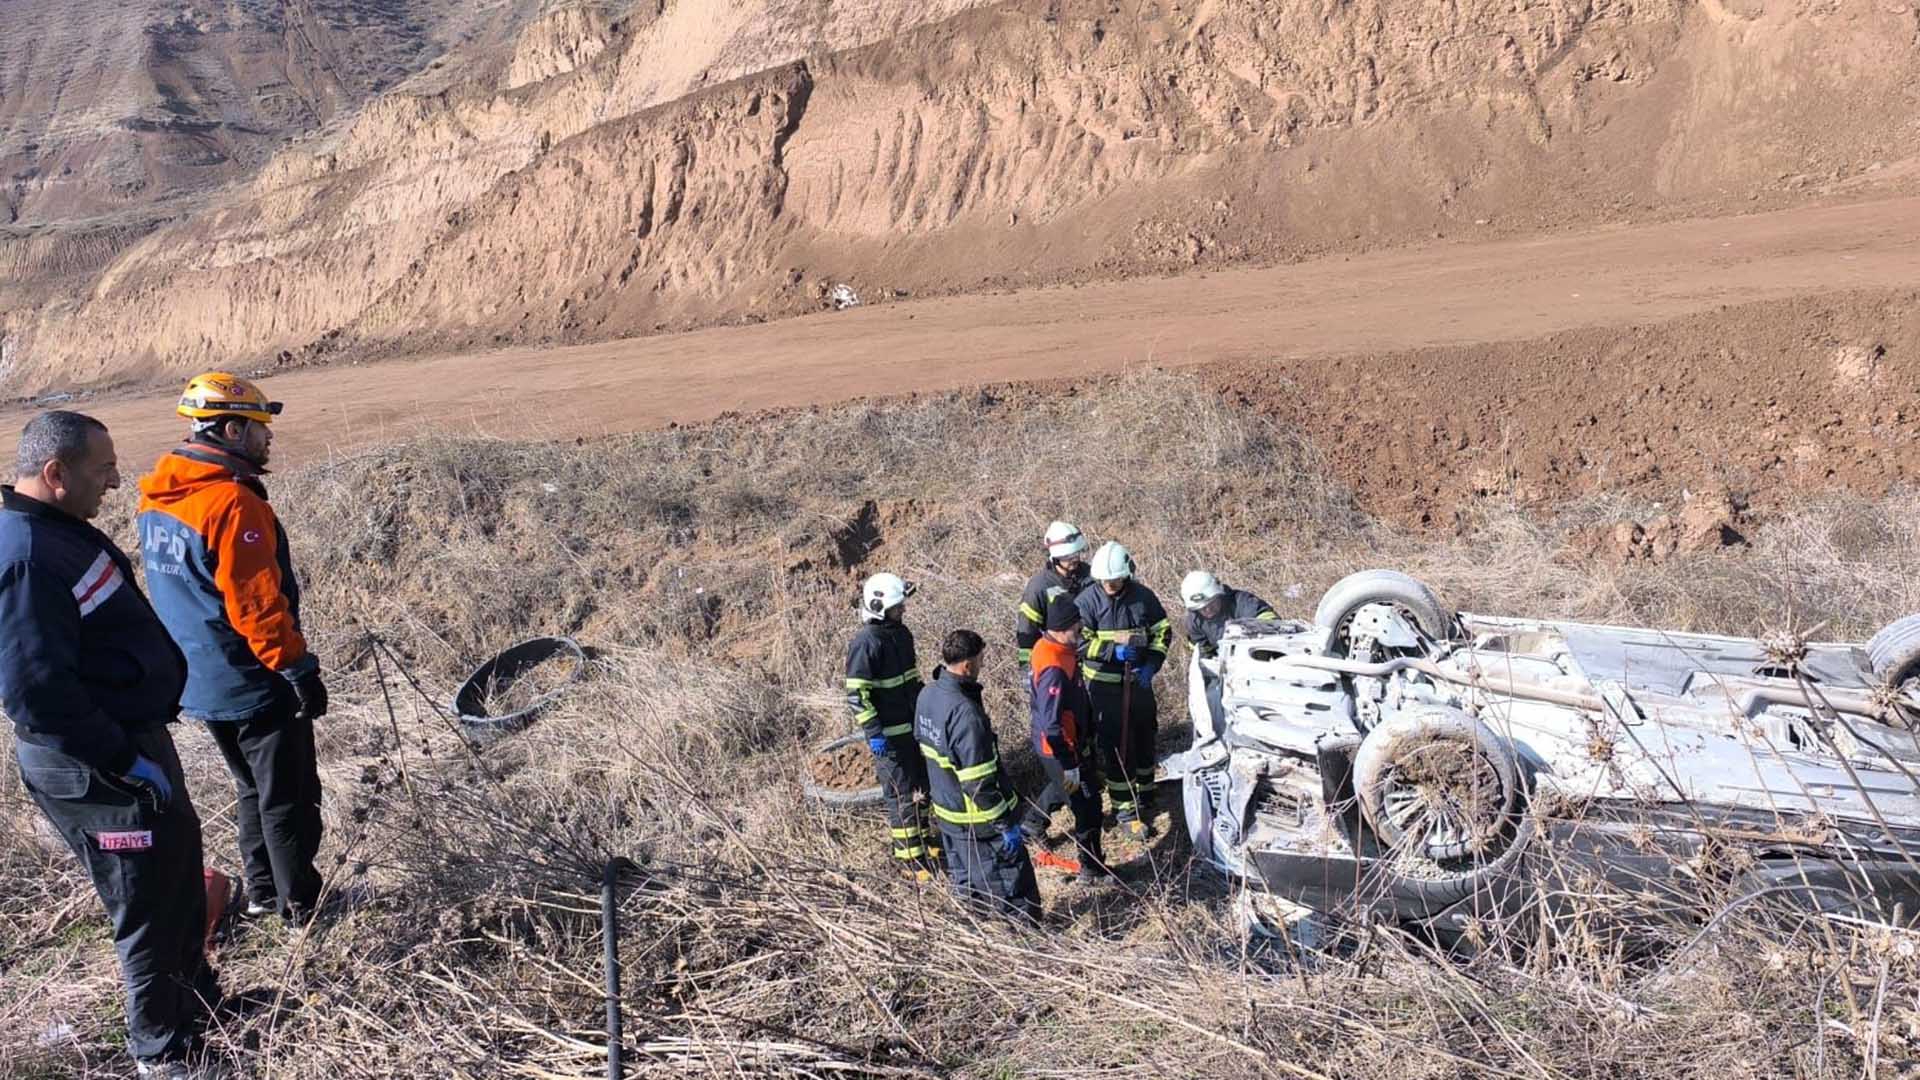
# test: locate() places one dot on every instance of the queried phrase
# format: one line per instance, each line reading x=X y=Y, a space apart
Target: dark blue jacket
x=1205 y=634
x=1031 y=618
x=1106 y=621
x=883 y=679
x=83 y=658
x=968 y=790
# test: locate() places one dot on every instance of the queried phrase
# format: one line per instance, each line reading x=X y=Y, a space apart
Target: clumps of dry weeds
x=713 y=567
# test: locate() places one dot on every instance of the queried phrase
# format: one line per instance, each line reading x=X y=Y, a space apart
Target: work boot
x=180 y=1069
x=1095 y=872
x=1139 y=828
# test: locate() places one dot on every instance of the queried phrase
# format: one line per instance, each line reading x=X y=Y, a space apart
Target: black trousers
x=1127 y=740
x=1085 y=804
x=147 y=870
x=988 y=879
x=277 y=781
x=903 y=776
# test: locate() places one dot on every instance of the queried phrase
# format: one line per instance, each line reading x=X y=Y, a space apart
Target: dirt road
x=1445 y=294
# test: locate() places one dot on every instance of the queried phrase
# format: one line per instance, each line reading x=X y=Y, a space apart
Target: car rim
x=1443 y=818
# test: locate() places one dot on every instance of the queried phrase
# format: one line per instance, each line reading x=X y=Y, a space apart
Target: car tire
x=1355 y=591
x=1895 y=651
x=1460 y=869
x=866 y=798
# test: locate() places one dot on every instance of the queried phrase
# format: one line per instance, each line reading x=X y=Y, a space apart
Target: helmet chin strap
x=208 y=432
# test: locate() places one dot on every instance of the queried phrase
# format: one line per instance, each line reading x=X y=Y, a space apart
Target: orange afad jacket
x=220 y=574
x=1062 y=712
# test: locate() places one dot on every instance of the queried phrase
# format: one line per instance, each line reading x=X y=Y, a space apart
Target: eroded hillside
x=672 y=164
x=122 y=108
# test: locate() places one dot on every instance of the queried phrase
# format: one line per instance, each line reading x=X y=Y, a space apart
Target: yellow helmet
x=217 y=395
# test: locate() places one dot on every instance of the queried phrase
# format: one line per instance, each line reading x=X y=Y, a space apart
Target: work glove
x=150 y=782
x=1126 y=653
x=1144 y=675
x=1070 y=781
x=1012 y=839
x=877 y=744
x=312 y=694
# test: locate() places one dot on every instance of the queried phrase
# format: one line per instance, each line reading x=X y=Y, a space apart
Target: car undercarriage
x=1395 y=760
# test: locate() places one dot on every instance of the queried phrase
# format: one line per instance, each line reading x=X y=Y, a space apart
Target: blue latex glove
x=877 y=744
x=1126 y=653
x=147 y=775
x=1012 y=839
x=1144 y=675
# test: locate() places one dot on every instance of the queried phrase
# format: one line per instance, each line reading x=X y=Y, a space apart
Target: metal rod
x=610 y=930
x=1745 y=702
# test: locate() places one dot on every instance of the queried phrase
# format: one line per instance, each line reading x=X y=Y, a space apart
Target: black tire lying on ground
x=865 y=798
x=469 y=703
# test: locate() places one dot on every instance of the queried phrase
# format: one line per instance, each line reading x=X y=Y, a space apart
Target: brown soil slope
x=625 y=185
x=1542 y=368
x=115 y=107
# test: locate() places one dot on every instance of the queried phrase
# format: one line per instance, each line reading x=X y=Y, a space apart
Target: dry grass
x=762 y=935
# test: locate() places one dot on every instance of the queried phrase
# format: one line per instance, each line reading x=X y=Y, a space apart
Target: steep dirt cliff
x=114 y=108
x=667 y=164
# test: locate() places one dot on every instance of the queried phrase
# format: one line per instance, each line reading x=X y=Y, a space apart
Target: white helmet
x=1199 y=588
x=882 y=593
x=1064 y=541
x=1112 y=563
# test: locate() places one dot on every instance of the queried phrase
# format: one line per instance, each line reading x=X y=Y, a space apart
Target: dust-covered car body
x=1395 y=758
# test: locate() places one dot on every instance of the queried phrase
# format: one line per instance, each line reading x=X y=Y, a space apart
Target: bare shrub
x=714 y=568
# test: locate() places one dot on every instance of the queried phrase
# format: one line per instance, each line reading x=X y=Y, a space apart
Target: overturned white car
x=1398 y=760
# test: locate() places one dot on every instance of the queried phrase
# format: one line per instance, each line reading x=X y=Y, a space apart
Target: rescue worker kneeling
x=1063 y=736
x=974 y=804
x=1211 y=604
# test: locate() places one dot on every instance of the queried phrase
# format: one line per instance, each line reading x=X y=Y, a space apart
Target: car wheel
x=1443 y=794
x=1407 y=595
x=1895 y=651
x=846 y=798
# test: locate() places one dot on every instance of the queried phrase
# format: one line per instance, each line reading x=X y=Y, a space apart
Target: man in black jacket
x=1125 y=634
x=90 y=679
x=883 y=680
x=1065 y=574
x=972 y=800
x=1211 y=604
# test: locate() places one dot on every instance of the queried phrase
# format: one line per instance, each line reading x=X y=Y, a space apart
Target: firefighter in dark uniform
x=1124 y=638
x=972 y=800
x=91 y=679
x=1063 y=737
x=1064 y=575
x=1211 y=605
x=883 y=681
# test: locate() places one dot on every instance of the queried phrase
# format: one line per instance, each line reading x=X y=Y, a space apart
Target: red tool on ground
x=1049 y=861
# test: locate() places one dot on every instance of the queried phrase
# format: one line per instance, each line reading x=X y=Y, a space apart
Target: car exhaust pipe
x=1748 y=702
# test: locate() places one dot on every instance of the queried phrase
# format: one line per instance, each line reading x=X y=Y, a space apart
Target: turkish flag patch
x=138 y=840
